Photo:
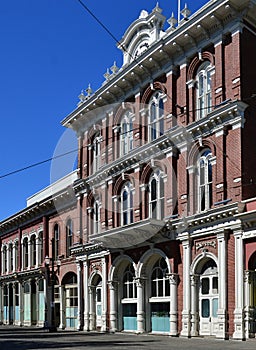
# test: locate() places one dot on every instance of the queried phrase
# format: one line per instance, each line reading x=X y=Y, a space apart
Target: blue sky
x=50 y=51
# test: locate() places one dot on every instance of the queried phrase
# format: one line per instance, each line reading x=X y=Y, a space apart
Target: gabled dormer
x=141 y=34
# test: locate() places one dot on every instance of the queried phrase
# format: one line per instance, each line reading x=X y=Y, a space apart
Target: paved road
x=12 y=338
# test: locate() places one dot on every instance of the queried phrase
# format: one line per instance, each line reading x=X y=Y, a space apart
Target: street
x=12 y=338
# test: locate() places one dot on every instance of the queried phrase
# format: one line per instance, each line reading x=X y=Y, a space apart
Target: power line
x=36 y=164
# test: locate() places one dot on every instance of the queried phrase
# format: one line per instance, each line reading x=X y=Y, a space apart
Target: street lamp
x=50 y=275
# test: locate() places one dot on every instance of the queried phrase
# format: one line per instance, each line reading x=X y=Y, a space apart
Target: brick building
x=156 y=230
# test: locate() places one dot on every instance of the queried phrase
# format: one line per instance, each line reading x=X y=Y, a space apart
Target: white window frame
x=96 y=216
x=25 y=253
x=127 y=210
x=204 y=90
x=33 y=250
x=204 y=181
x=157 y=280
x=126 y=133
x=96 y=148
x=69 y=236
x=129 y=282
x=156 y=119
x=156 y=205
x=56 y=233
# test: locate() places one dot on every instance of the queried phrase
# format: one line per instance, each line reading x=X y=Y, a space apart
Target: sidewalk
x=14 y=338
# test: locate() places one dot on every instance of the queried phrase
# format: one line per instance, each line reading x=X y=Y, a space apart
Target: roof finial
x=157 y=8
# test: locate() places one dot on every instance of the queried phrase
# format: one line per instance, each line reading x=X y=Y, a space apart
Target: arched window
x=25 y=252
x=156 y=116
x=11 y=267
x=126 y=204
x=156 y=196
x=56 y=235
x=40 y=247
x=126 y=133
x=33 y=250
x=4 y=259
x=160 y=284
x=204 y=181
x=204 y=90
x=69 y=236
x=129 y=283
x=96 y=151
x=96 y=216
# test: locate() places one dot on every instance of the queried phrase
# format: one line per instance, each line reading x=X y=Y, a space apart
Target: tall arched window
x=126 y=204
x=156 y=116
x=69 y=236
x=25 y=252
x=160 y=284
x=56 y=235
x=4 y=269
x=129 y=283
x=204 y=181
x=11 y=261
x=156 y=196
x=126 y=133
x=96 y=216
x=204 y=90
x=96 y=151
x=33 y=250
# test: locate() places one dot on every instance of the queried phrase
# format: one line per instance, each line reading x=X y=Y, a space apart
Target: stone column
x=62 y=307
x=86 y=297
x=1 y=303
x=92 y=315
x=13 y=302
x=239 y=286
x=194 y=305
x=173 y=278
x=186 y=322
x=21 y=293
x=140 y=305
x=79 y=290
x=104 y=295
x=222 y=310
x=248 y=310
x=113 y=306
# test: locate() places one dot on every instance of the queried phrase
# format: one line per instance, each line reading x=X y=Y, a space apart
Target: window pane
x=205 y=308
x=215 y=307
x=215 y=285
x=205 y=285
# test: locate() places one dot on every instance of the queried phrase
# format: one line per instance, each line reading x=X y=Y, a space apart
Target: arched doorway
x=208 y=299
x=69 y=283
x=252 y=294
x=96 y=299
x=158 y=287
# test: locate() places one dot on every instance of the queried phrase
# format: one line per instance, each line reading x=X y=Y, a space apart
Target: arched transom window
x=126 y=133
x=204 y=181
x=204 y=90
x=156 y=195
x=156 y=116
x=160 y=284
x=129 y=283
x=127 y=204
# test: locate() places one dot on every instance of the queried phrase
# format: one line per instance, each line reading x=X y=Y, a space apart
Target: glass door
x=208 y=304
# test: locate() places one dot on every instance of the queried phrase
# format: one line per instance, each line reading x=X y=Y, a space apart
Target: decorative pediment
x=142 y=33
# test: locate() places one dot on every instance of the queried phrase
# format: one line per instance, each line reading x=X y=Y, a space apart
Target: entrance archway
x=206 y=272
x=252 y=294
x=96 y=298
x=70 y=300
